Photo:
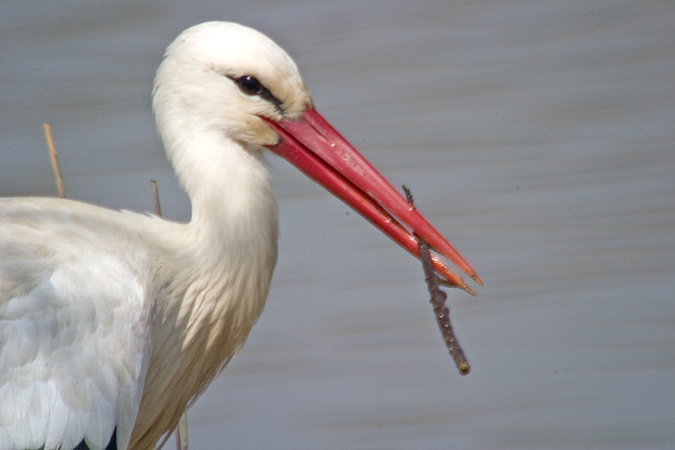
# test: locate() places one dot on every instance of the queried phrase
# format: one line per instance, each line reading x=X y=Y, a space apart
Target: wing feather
x=74 y=340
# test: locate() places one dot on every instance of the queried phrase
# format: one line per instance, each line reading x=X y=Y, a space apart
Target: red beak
x=320 y=152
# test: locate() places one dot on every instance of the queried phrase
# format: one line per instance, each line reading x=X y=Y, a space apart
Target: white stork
x=112 y=323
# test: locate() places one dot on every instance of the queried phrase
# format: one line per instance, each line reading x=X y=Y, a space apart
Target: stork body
x=92 y=300
x=117 y=321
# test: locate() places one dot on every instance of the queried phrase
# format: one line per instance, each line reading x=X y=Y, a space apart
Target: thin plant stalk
x=49 y=138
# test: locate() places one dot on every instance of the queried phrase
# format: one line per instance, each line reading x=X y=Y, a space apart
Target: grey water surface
x=539 y=136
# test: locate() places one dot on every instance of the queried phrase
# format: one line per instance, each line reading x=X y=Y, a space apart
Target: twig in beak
x=437 y=300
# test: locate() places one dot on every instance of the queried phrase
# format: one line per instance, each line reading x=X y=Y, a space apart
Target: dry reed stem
x=155 y=198
x=47 y=128
x=182 y=433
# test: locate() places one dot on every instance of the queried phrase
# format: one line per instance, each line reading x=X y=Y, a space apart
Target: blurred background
x=539 y=136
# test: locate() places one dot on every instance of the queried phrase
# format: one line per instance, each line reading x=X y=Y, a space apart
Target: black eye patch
x=250 y=85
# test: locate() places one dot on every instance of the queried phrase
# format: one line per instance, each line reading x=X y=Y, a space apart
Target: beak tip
x=477 y=279
x=457 y=284
x=469 y=290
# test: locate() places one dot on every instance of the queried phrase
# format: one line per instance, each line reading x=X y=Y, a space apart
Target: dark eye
x=250 y=85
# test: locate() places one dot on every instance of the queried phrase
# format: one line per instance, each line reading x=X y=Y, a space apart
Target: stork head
x=230 y=77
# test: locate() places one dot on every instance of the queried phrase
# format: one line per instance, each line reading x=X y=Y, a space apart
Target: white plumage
x=114 y=320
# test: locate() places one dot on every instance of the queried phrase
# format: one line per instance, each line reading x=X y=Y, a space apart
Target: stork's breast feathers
x=73 y=351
